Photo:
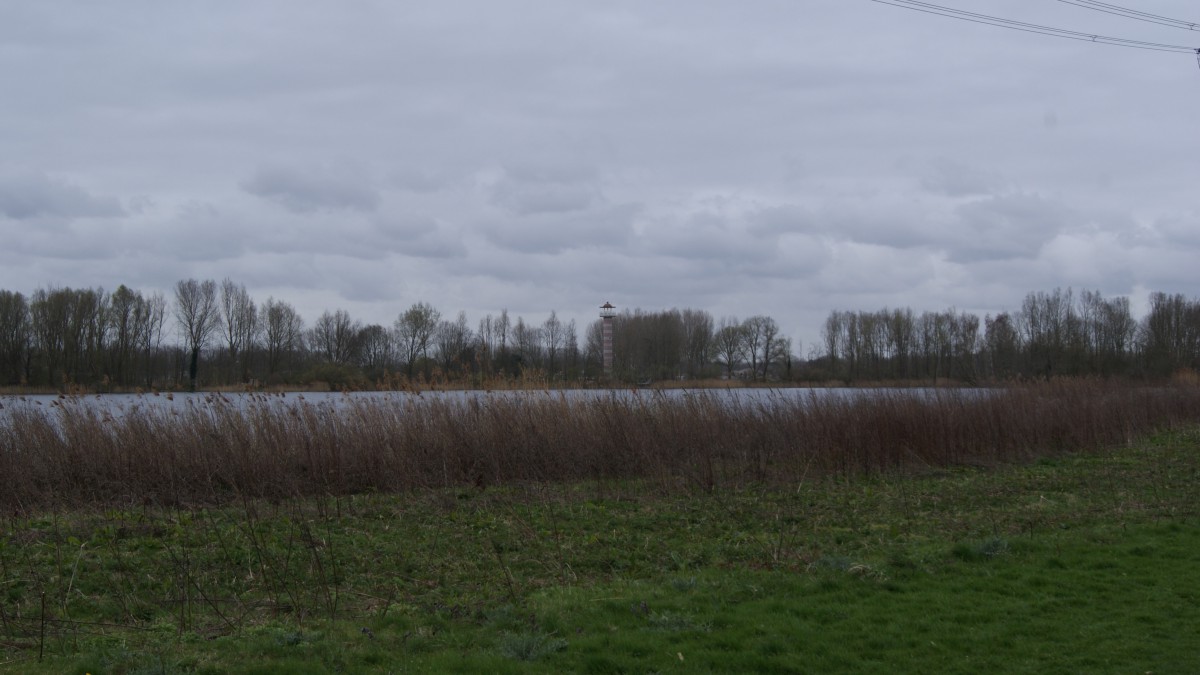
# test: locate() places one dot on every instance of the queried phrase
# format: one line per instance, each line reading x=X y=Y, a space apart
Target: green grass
x=1076 y=564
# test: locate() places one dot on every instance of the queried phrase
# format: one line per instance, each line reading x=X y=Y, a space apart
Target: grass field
x=1074 y=563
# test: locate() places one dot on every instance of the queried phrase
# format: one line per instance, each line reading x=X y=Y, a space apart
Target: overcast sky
x=781 y=157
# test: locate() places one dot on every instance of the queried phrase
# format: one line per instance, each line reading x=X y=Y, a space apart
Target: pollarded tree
x=199 y=318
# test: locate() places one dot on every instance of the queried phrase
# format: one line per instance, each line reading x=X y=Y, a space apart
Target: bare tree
x=15 y=338
x=153 y=319
x=334 y=336
x=1002 y=344
x=781 y=353
x=697 y=326
x=198 y=317
x=283 y=331
x=730 y=344
x=1170 y=334
x=964 y=334
x=69 y=330
x=1043 y=323
x=552 y=332
x=125 y=316
x=833 y=334
x=1115 y=335
x=484 y=344
x=376 y=350
x=593 y=348
x=760 y=334
x=571 y=349
x=900 y=335
x=454 y=340
x=414 y=331
x=500 y=327
x=527 y=344
x=241 y=324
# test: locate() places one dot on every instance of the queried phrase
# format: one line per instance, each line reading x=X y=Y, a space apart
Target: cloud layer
x=786 y=158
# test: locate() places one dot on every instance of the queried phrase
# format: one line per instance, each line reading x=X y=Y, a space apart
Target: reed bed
x=220 y=449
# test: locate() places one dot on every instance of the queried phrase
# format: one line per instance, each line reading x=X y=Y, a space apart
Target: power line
x=1026 y=27
x=1133 y=14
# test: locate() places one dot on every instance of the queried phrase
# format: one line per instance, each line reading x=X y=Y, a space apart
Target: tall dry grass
x=258 y=446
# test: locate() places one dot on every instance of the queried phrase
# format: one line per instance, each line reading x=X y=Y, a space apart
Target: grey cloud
x=420 y=181
x=954 y=179
x=353 y=237
x=68 y=242
x=373 y=281
x=1090 y=260
x=546 y=191
x=879 y=221
x=1009 y=226
x=610 y=226
x=30 y=195
x=422 y=238
x=1179 y=228
x=782 y=219
x=855 y=268
x=200 y=233
x=407 y=228
x=709 y=236
x=312 y=190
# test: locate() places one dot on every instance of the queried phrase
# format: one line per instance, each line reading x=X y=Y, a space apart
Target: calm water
x=120 y=404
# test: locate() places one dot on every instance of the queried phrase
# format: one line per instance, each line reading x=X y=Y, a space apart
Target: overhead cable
x=1127 y=13
x=1023 y=26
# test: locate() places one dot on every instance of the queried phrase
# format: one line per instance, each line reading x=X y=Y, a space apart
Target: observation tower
x=607 y=312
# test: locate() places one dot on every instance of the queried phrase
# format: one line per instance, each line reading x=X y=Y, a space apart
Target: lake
x=121 y=404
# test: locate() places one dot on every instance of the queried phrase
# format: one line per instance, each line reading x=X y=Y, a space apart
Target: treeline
x=211 y=334
x=688 y=344
x=1053 y=334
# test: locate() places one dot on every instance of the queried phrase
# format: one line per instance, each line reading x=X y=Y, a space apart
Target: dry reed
x=220 y=448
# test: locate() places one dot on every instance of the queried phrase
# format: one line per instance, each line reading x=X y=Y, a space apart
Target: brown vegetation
x=257 y=445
